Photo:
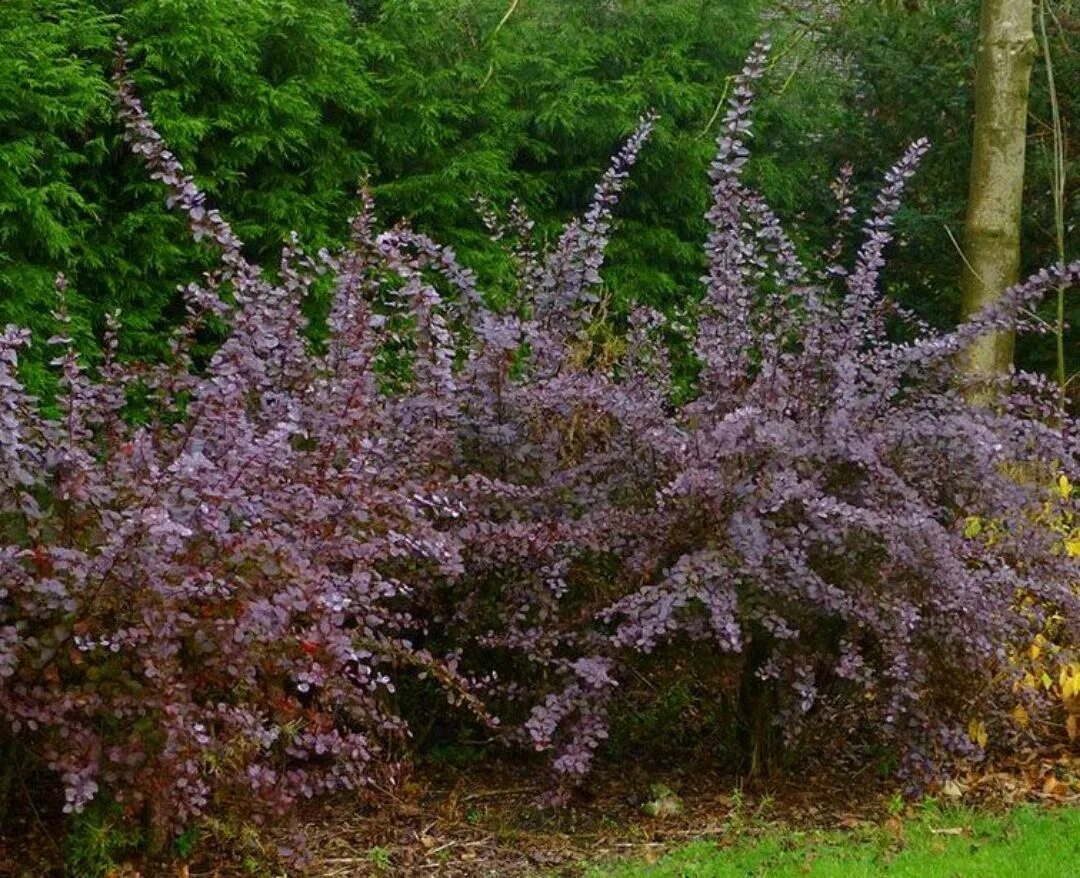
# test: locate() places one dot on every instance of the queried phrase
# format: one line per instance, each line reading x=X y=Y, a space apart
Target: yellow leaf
x=1020 y=716
x=972 y=527
x=1069 y=681
x=1072 y=547
x=1047 y=682
x=977 y=732
x=1064 y=486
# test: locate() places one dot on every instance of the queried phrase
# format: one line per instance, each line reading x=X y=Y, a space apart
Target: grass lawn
x=934 y=843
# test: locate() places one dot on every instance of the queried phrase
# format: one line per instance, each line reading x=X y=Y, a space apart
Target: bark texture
x=1006 y=52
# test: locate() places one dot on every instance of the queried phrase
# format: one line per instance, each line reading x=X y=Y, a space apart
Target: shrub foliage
x=216 y=574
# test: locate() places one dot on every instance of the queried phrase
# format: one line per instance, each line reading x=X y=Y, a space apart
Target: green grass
x=1028 y=843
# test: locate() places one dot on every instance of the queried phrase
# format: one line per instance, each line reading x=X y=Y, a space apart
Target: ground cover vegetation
x=259 y=536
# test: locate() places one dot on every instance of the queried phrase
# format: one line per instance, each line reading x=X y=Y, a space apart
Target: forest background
x=279 y=108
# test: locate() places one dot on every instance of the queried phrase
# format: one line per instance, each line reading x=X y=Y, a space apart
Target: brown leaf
x=1052 y=786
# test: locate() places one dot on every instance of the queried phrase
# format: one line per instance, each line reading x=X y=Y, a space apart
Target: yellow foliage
x=1050 y=669
x=1064 y=487
x=1060 y=515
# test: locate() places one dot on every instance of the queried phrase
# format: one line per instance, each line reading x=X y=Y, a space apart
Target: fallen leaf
x=1052 y=786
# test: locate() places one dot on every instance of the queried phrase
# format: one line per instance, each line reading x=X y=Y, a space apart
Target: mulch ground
x=488 y=820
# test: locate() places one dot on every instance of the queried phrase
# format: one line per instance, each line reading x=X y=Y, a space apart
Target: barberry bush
x=216 y=574
x=803 y=513
x=207 y=572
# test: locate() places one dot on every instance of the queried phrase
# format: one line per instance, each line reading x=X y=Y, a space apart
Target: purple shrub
x=211 y=597
x=803 y=513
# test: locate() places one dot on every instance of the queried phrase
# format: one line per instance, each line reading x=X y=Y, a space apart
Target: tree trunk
x=992 y=229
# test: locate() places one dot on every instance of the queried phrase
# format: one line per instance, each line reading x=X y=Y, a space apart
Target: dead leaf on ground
x=1053 y=787
x=952 y=789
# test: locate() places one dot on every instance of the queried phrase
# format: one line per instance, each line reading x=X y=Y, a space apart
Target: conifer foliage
x=216 y=592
